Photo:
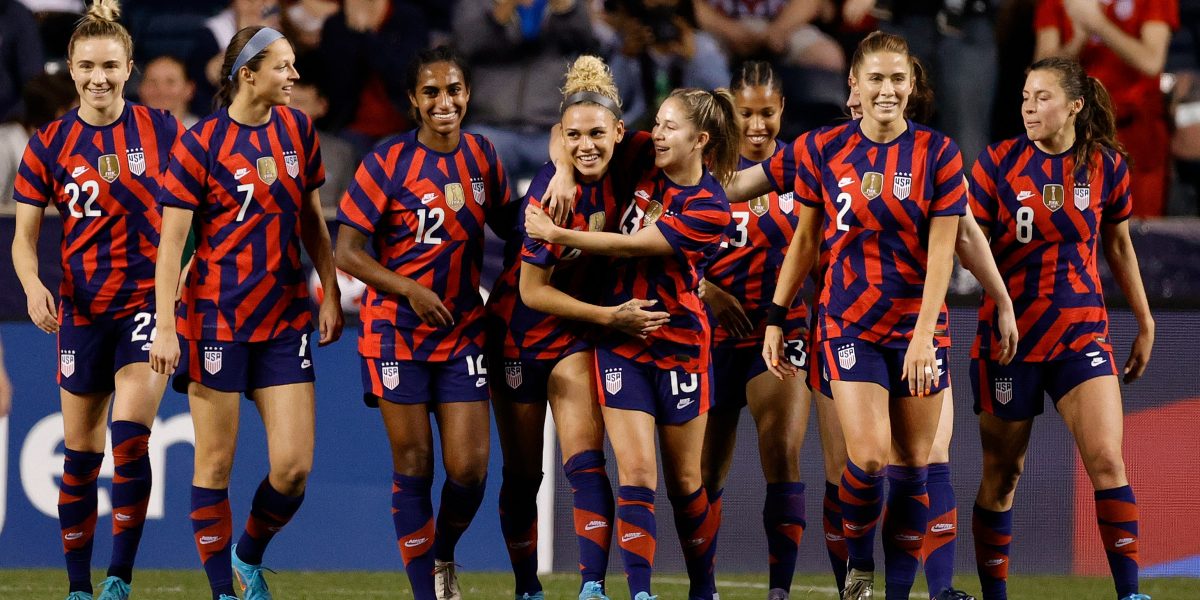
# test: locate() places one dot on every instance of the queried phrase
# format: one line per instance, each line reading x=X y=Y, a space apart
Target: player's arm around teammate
x=100 y=164
x=246 y=177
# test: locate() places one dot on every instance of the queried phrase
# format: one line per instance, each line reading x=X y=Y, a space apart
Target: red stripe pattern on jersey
x=878 y=201
x=246 y=186
x=1044 y=219
x=693 y=219
x=104 y=181
x=424 y=212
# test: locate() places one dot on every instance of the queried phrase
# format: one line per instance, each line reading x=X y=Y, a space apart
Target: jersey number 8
x=1024 y=224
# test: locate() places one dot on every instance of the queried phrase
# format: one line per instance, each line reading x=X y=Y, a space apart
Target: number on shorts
x=742 y=219
x=1024 y=224
x=844 y=200
x=686 y=388
x=248 y=190
x=92 y=189
x=143 y=320
x=475 y=366
x=436 y=217
x=303 y=344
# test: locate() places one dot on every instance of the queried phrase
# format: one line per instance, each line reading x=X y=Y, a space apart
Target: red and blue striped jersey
x=246 y=186
x=693 y=220
x=878 y=201
x=425 y=211
x=749 y=261
x=103 y=180
x=1044 y=219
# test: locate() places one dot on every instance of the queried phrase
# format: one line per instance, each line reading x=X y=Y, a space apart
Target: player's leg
x=696 y=523
x=637 y=472
x=215 y=422
x=833 y=454
x=942 y=531
x=914 y=427
x=410 y=437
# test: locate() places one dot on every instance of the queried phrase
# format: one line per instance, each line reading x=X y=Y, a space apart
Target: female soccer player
x=101 y=165
x=1046 y=199
x=662 y=381
x=421 y=200
x=537 y=309
x=246 y=178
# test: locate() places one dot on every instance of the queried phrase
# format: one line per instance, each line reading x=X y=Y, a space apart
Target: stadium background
x=345 y=522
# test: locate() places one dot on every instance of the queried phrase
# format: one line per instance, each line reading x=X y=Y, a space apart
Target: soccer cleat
x=859 y=585
x=777 y=594
x=227 y=597
x=538 y=595
x=1136 y=597
x=250 y=578
x=79 y=596
x=592 y=590
x=644 y=596
x=445 y=580
x=953 y=594
x=115 y=588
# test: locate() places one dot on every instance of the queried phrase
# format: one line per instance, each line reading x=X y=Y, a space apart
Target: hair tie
x=594 y=98
x=258 y=42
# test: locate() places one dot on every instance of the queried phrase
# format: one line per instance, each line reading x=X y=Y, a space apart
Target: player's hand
x=42 y=310
x=1139 y=355
x=164 y=352
x=329 y=319
x=773 y=355
x=429 y=307
x=1009 y=337
x=559 y=199
x=920 y=366
x=728 y=310
x=854 y=11
x=633 y=319
x=538 y=225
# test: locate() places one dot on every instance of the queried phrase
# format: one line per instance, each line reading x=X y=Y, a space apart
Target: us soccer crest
x=455 y=198
x=1083 y=196
x=612 y=381
x=1053 y=196
x=212 y=360
x=654 y=210
x=1003 y=390
x=760 y=205
x=872 y=185
x=513 y=375
x=137 y=161
x=390 y=374
x=109 y=167
x=268 y=172
x=477 y=190
x=786 y=203
x=846 y=357
x=901 y=185
x=596 y=221
x=66 y=363
x=291 y=163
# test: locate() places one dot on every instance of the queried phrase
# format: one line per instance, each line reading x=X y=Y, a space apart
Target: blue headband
x=258 y=42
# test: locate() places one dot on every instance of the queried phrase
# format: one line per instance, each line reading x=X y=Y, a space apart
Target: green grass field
x=42 y=584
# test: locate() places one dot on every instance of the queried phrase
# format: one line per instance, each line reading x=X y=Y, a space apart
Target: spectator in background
x=338 y=155
x=307 y=18
x=46 y=97
x=165 y=84
x=204 y=66
x=517 y=49
x=364 y=53
x=1185 y=107
x=21 y=55
x=1124 y=45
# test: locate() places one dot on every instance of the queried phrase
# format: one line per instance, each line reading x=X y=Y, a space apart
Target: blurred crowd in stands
x=353 y=55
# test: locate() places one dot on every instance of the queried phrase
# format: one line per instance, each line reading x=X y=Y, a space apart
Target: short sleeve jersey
x=246 y=186
x=103 y=180
x=424 y=212
x=693 y=220
x=879 y=201
x=1043 y=218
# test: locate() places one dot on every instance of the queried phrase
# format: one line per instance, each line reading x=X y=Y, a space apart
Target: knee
x=213 y=471
x=1001 y=476
x=781 y=461
x=641 y=475
x=413 y=459
x=1107 y=469
x=290 y=479
x=468 y=468
x=870 y=464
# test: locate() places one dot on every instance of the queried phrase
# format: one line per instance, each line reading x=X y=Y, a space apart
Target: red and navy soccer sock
x=269 y=512
x=835 y=537
x=636 y=535
x=212 y=526
x=594 y=512
x=784 y=521
x=412 y=516
x=861 y=496
x=697 y=525
x=943 y=530
x=455 y=513
x=519 y=524
x=1117 y=514
x=77 y=514
x=992 y=531
x=130 y=494
x=904 y=528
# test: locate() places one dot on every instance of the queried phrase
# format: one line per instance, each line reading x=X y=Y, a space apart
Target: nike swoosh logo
x=845 y=181
x=1123 y=542
x=209 y=539
x=122 y=517
x=1024 y=196
x=74 y=535
x=940 y=527
x=595 y=525
x=415 y=543
x=629 y=537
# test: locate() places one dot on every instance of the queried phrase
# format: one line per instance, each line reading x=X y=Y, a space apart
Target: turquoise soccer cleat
x=79 y=596
x=114 y=588
x=644 y=596
x=593 y=590
x=250 y=577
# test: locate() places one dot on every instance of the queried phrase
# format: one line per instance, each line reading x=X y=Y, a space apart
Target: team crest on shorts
x=455 y=198
x=66 y=363
x=786 y=203
x=109 y=167
x=137 y=161
x=268 y=172
x=612 y=380
x=513 y=375
x=1083 y=196
x=901 y=185
x=291 y=163
x=477 y=190
x=654 y=210
x=390 y=374
x=760 y=205
x=1003 y=390
x=846 y=357
x=1053 y=196
x=212 y=360
x=597 y=221
x=872 y=184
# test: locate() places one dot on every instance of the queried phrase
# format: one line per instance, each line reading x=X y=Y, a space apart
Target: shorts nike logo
x=1099 y=360
x=209 y=539
x=629 y=537
x=595 y=525
x=482 y=381
x=940 y=527
x=415 y=543
x=1123 y=542
x=686 y=402
x=146 y=347
x=306 y=363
